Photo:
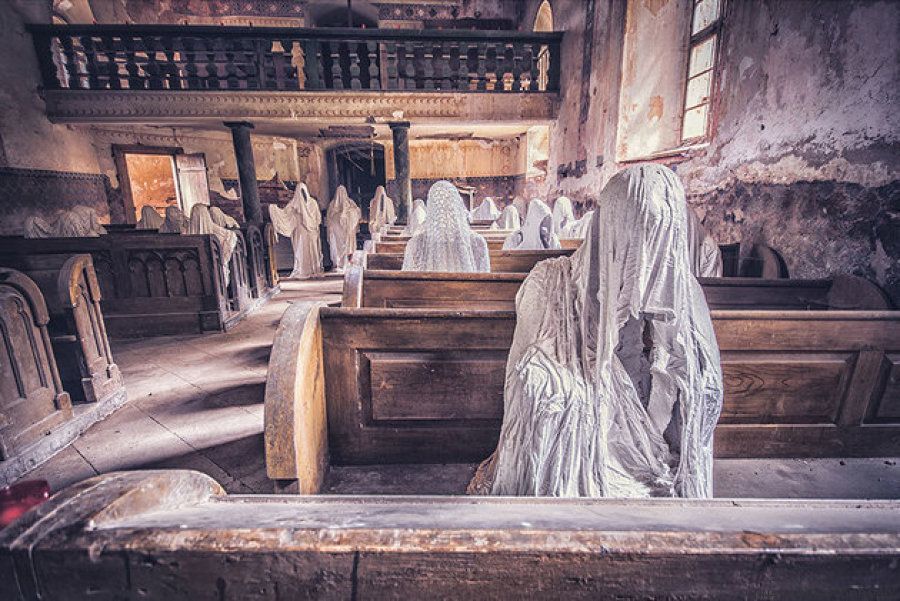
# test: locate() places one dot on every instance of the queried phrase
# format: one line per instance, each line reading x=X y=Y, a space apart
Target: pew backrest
x=505 y=261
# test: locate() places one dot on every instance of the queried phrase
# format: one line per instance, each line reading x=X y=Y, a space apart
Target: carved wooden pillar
x=400 y=132
x=243 y=152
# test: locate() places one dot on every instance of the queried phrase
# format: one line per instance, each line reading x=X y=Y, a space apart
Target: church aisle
x=194 y=402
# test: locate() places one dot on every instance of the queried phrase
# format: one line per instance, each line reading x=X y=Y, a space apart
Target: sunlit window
x=705 y=24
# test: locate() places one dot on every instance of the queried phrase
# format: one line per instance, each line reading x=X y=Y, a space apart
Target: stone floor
x=196 y=402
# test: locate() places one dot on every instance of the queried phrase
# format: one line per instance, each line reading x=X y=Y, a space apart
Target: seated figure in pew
x=486 y=211
x=521 y=205
x=563 y=215
x=509 y=219
x=342 y=221
x=706 y=257
x=77 y=222
x=537 y=233
x=446 y=243
x=175 y=221
x=150 y=219
x=300 y=221
x=613 y=383
x=578 y=229
x=222 y=219
x=416 y=220
x=381 y=211
x=201 y=222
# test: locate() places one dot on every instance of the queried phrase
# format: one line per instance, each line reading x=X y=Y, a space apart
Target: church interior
x=450 y=299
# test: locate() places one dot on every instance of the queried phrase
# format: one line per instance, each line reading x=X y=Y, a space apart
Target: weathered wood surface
x=175 y=535
x=397 y=244
x=32 y=399
x=385 y=288
x=426 y=385
x=77 y=327
x=502 y=261
x=151 y=283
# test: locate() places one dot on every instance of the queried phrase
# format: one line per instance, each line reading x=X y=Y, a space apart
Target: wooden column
x=243 y=152
x=400 y=132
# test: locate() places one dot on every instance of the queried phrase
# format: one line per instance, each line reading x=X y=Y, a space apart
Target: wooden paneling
x=502 y=261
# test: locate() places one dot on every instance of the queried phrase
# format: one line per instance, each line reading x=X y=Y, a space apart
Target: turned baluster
x=212 y=66
x=312 y=65
x=90 y=61
x=490 y=60
x=428 y=66
x=337 y=75
x=71 y=62
x=135 y=79
x=232 y=81
x=354 y=68
x=111 y=67
x=481 y=67
x=191 y=47
x=153 y=68
x=374 y=71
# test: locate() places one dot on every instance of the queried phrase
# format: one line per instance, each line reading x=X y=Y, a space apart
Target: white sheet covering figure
x=486 y=211
x=381 y=211
x=416 y=221
x=201 y=222
x=706 y=256
x=222 y=219
x=509 y=219
x=522 y=205
x=78 y=222
x=537 y=232
x=36 y=226
x=300 y=221
x=446 y=243
x=579 y=228
x=150 y=219
x=175 y=221
x=563 y=215
x=613 y=383
x=342 y=223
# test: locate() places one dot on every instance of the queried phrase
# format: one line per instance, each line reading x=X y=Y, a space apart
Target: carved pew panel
x=427 y=385
x=32 y=400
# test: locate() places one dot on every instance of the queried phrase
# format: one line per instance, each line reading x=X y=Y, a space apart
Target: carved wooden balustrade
x=199 y=58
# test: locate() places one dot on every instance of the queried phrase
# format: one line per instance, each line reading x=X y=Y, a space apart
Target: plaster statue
x=300 y=220
x=537 y=232
x=381 y=211
x=175 y=221
x=416 y=221
x=150 y=219
x=342 y=222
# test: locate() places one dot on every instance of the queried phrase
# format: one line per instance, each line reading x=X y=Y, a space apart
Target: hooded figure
x=78 y=222
x=36 y=226
x=342 y=222
x=416 y=218
x=578 y=229
x=446 y=243
x=381 y=211
x=222 y=219
x=563 y=215
x=175 y=222
x=537 y=233
x=522 y=205
x=150 y=219
x=509 y=219
x=201 y=222
x=706 y=257
x=300 y=221
x=486 y=211
x=613 y=383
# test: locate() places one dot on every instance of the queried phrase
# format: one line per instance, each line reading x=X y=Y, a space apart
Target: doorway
x=359 y=167
x=160 y=177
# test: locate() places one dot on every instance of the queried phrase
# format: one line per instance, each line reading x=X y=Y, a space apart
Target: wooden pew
x=400 y=289
x=77 y=327
x=502 y=261
x=426 y=386
x=177 y=535
x=157 y=284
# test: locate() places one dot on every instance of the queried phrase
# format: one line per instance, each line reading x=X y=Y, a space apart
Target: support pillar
x=246 y=166
x=400 y=132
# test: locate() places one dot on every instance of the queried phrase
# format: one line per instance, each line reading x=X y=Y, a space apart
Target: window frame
x=713 y=30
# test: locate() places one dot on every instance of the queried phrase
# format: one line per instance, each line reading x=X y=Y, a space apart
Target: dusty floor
x=196 y=402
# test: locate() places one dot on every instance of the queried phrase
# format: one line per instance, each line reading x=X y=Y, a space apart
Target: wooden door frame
x=118 y=152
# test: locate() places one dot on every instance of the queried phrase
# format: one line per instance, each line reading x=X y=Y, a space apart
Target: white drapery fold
x=529 y=237
x=416 y=220
x=300 y=221
x=342 y=223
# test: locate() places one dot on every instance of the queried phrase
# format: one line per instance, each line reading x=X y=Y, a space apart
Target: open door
x=193 y=185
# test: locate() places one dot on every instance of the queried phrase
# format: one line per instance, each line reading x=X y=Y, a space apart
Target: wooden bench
x=157 y=284
x=502 y=261
x=426 y=386
x=403 y=289
x=177 y=535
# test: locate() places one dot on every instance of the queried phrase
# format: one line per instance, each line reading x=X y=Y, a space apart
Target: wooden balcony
x=177 y=73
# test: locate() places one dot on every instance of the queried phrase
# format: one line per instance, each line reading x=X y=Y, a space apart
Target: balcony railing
x=105 y=57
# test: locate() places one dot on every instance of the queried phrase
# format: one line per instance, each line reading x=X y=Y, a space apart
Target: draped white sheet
x=342 y=222
x=613 y=383
x=446 y=243
x=563 y=215
x=36 y=226
x=416 y=221
x=521 y=205
x=578 y=229
x=78 y=222
x=381 y=211
x=175 y=221
x=706 y=257
x=201 y=222
x=486 y=211
x=528 y=237
x=509 y=219
x=150 y=219
x=300 y=221
x=222 y=219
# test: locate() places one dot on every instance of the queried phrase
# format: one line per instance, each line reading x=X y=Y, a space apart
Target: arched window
x=543 y=21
